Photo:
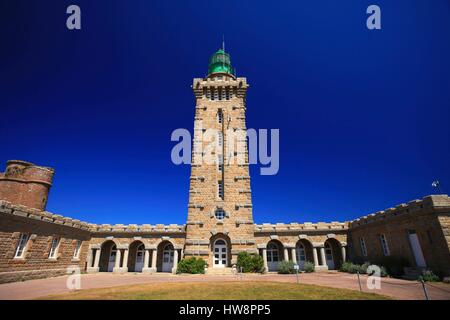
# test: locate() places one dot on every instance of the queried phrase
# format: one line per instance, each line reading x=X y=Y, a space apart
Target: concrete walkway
x=396 y=288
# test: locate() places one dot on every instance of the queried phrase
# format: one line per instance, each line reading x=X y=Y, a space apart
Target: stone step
x=220 y=271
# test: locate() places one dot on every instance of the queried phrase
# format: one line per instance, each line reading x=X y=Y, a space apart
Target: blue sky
x=363 y=115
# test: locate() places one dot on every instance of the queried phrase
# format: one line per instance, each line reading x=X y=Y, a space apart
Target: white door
x=112 y=259
x=139 y=264
x=416 y=248
x=220 y=254
x=329 y=256
x=301 y=256
x=167 y=258
x=273 y=258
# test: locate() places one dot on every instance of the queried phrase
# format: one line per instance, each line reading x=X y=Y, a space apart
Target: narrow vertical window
x=220 y=163
x=363 y=247
x=76 y=252
x=220 y=189
x=21 y=245
x=220 y=116
x=54 y=248
x=384 y=245
x=220 y=139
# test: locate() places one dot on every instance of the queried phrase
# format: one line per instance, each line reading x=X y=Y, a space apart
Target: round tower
x=26 y=184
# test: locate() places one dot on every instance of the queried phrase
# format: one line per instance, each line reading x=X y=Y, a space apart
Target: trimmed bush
x=351 y=267
x=363 y=267
x=429 y=276
x=393 y=265
x=308 y=267
x=191 y=265
x=286 y=267
x=249 y=262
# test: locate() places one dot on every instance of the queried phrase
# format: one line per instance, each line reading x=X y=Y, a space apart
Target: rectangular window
x=220 y=189
x=54 y=248
x=76 y=252
x=363 y=247
x=220 y=162
x=220 y=139
x=20 y=250
x=220 y=116
x=384 y=245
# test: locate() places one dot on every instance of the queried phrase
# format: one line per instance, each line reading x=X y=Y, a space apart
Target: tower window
x=20 y=250
x=220 y=189
x=54 y=248
x=220 y=139
x=220 y=214
x=220 y=116
x=220 y=162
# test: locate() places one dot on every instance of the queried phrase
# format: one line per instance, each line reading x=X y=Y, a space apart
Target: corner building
x=35 y=243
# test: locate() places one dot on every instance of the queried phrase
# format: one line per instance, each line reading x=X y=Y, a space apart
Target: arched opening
x=166 y=253
x=107 y=256
x=333 y=255
x=274 y=252
x=221 y=251
x=136 y=256
x=304 y=252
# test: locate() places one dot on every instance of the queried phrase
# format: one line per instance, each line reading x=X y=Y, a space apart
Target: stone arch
x=333 y=253
x=136 y=256
x=274 y=252
x=108 y=250
x=165 y=256
x=304 y=252
x=226 y=239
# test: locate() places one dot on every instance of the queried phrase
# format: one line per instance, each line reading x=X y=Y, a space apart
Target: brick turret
x=26 y=184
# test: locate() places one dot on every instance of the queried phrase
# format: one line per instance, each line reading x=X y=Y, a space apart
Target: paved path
x=396 y=288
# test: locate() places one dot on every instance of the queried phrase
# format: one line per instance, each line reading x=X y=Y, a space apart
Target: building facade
x=35 y=243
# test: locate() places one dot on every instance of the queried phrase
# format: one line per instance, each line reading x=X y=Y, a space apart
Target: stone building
x=35 y=243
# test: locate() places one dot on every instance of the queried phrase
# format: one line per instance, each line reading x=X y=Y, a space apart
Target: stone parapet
x=295 y=227
x=432 y=202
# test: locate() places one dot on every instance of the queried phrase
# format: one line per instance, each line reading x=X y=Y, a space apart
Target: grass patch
x=218 y=291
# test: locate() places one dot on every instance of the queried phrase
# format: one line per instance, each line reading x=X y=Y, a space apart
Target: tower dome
x=220 y=62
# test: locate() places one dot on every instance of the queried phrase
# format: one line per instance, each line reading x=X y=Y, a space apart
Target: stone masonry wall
x=429 y=218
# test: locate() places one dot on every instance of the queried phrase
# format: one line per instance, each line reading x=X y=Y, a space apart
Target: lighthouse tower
x=220 y=220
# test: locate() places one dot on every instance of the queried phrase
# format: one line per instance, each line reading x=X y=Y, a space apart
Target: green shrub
x=384 y=272
x=351 y=267
x=428 y=276
x=286 y=267
x=393 y=265
x=249 y=262
x=191 y=265
x=346 y=266
x=363 y=267
x=308 y=267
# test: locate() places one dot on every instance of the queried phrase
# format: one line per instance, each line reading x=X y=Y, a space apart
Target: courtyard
x=323 y=285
